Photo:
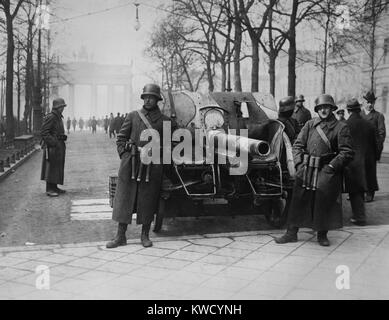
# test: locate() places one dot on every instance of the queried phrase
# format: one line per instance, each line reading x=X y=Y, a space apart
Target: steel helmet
x=300 y=98
x=58 y=103
x=286 y=104
x=152 y=89
x=325 y=99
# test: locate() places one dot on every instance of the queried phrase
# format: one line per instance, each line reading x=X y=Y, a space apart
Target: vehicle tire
x=276 y=213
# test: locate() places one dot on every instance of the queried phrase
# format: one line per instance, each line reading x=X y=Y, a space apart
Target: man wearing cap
x=316 y=198
x=377 y=119
x=301 y=114
x=54 y=148
x=139 y=185
x=285 y=111
x=355 y=173
x=340 y=115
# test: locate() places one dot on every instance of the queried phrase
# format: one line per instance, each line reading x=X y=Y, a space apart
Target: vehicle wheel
x=276 y=213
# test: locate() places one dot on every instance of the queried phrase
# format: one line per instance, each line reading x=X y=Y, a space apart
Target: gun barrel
x=305 y=164
x=243 y=144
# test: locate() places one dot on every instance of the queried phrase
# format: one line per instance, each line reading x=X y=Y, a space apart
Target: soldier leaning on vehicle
x=321 y=151
x=285 y=112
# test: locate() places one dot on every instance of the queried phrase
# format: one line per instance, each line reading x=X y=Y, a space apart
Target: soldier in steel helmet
x=323 y=147
x=54 y=148
x=139 y=185
x=301 y=114
x=285 y=112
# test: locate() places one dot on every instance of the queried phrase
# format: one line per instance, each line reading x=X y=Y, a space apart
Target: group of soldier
x=343 y=153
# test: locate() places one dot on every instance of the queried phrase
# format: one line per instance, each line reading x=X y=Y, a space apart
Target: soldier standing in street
x=285 y=113
x=106 y=123
x=54 y=148
x=364 y=144
x=301 y=114
x=321 y=151
x=139 y=185
x=377 y=119
x=112 y=126
x=93 y=125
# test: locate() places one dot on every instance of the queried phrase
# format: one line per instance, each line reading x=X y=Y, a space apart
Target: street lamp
x=137 y=22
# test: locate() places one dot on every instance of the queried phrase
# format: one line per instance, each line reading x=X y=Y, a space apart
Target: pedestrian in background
x=81 y=124
x=68 y=124
x=301 y=114
x=355 y=173
x=111 y=126
x=93 y=125
x=118 y=123
x=54 y=148
x=317 y=199
x=377 y=119
x=106 y=123
x=74 y=124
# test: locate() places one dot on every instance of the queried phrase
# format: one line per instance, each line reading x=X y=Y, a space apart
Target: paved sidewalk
x=240 y=265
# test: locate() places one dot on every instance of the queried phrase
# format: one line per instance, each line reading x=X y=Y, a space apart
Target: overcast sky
x=110 y=35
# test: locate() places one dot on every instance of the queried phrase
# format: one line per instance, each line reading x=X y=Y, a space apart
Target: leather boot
x=322 y=238
x=120 y=239
x=289 y=236
x=145 y=235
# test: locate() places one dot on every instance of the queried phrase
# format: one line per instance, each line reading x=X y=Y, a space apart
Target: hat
x=300 y=98
x=58 y=103
x=151 y=89
x=286 y=104
x=353 y=104
x=370 y=97
x=340 y=111
x=325 y=99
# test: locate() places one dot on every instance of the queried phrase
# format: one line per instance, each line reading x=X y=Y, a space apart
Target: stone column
x=111 y=107
x=94 y=100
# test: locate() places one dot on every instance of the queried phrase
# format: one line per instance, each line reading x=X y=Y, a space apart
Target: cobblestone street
x=206 y=258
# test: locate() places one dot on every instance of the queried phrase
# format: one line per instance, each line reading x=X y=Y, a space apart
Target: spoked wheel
x=276 y=213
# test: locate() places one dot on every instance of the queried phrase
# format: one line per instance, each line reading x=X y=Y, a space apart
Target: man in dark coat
x=74 y=123
x=138 y=187
x=53 y=144
x=68 y=124
x=364 y=142
x=94 y=125
x=301 y=114
x=106 y=124
x=285 y=112
x=112 y=126
x=118 y=123
x=81 y=124
x=316 y=200
x=377 y=119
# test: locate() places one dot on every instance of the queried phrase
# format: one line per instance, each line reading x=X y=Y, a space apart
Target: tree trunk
x=255 y=65
x=292 y=51
x=19 y=90
x=238 y=48
x=323 y=88
x=211 y=86
x=223 y=67
x=372 y=46
x=272 y=72
x=9 y=79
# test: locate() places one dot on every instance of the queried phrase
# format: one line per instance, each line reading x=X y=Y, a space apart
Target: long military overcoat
x=362 y=168
x=377 y=119
x=321 y=209
x=54 y=149
x=132 y=196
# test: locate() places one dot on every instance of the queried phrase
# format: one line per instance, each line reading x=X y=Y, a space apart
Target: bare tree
x=10 y=11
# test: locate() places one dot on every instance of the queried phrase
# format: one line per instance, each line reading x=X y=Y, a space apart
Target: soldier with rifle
x=139 y=185
x=321 y=151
